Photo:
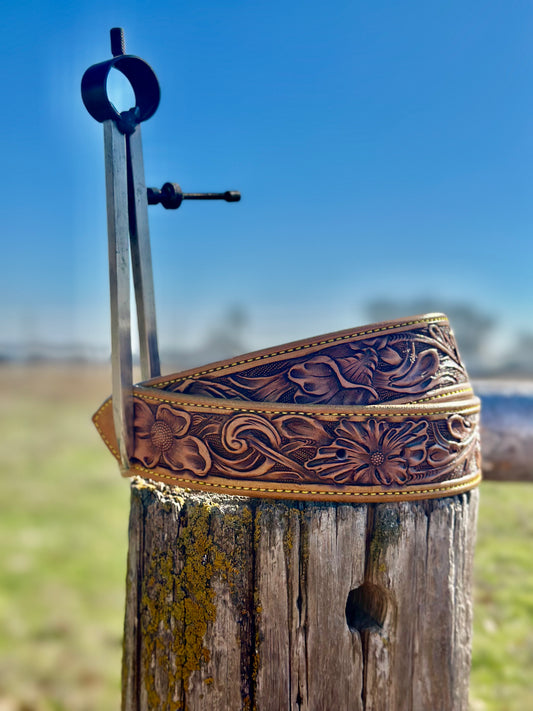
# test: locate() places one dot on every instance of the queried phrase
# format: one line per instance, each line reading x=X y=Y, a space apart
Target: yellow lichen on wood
x=293 y=516
x=257 y=609
x=157 y=615
x=178 y=603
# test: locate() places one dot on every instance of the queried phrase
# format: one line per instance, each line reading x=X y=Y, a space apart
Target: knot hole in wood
x=366 y=608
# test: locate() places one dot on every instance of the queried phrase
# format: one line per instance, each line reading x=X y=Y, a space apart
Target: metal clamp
x=127 y=222
x=141 y=77
x=127 y=225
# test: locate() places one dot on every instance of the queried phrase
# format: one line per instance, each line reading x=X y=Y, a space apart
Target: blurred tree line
x=478 y=335
x=488 y=349
x=485 y=348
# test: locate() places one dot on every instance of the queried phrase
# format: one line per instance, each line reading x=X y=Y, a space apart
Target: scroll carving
x=381 y=369
x=296 y=448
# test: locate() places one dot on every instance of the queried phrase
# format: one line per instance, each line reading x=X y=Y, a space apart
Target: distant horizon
x=488 y=346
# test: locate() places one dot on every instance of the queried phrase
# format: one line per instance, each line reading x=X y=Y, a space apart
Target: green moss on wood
x=386 y=530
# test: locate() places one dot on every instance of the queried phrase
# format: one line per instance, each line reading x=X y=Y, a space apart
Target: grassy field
x=63 y=530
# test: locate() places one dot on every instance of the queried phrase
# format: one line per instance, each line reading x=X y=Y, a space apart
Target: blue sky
x=382 y=149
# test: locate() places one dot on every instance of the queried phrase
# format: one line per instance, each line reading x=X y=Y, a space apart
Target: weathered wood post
x=251 y=604
x=342 y=580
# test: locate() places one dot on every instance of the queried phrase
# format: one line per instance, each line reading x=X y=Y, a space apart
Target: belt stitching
x=303 y=347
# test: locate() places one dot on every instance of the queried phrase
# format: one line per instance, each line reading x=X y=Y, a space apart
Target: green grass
x=63 y=532
x=63 y=527
x=502 y=660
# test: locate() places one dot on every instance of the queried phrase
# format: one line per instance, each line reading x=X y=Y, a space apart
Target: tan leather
x=380 y=413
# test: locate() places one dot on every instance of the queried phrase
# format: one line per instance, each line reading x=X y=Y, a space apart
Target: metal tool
x=127 y=223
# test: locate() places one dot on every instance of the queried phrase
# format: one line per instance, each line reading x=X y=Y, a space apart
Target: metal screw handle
x=170 y=196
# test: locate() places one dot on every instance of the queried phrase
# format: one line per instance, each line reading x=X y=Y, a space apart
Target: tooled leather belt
x=380 y=413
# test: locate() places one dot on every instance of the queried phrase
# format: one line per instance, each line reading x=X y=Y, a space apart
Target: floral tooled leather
x=161 y=439
x=390 y=367
x=372 y=452
x=381 y=413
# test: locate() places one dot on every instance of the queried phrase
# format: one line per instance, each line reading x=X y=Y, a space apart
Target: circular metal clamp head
x=143 y=82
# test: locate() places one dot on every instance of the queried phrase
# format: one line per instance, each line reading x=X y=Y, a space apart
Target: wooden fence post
x=236 y=603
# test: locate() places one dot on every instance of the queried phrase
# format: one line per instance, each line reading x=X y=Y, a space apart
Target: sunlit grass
x=63 y=527
x=63 y=533
x=502 y=662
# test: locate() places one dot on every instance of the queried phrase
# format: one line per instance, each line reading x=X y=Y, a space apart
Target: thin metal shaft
x=119 y=284
x=141 y=258
x=228 y=196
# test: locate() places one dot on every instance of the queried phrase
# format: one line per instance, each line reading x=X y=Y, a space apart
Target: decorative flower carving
x=347 y=381
x=372 y=453
x=162 y=438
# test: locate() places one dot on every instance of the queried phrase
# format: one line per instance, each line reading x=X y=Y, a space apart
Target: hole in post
x=366 y=608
